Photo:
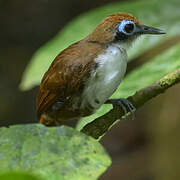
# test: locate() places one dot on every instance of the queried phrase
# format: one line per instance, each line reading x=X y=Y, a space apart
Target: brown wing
x=66 y=73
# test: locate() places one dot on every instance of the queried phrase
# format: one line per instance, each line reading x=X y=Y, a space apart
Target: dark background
x=25 y=26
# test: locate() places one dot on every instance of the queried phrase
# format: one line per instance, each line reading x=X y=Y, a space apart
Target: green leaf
x=17 y=176
x=159 y=13
x=51 y=153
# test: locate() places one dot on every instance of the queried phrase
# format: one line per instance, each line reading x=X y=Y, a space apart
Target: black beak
x=149 y=30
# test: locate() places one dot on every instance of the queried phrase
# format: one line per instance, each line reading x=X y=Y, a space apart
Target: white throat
x=106 y=77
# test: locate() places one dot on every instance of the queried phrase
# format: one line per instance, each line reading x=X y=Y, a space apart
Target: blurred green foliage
x=163 y=14
x=51 y=153
x=62 y=152
x=159 y=13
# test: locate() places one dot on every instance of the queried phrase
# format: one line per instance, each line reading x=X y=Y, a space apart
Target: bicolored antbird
x=84 y=75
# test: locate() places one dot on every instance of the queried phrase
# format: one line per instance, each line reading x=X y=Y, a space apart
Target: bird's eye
x=127 y=27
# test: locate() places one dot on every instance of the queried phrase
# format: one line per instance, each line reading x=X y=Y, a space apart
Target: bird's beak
x=149 y=30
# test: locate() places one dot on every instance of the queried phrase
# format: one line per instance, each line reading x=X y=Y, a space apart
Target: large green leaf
x=51 y=153
x=159 y=13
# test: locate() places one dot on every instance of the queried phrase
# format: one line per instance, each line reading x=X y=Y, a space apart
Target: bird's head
x=121 y=28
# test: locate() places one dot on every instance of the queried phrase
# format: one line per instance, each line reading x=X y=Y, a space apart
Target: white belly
x=106 y=78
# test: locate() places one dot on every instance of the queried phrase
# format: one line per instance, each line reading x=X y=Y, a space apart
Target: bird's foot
x=126 y=105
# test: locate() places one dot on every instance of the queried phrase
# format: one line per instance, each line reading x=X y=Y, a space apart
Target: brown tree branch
x=101 y=125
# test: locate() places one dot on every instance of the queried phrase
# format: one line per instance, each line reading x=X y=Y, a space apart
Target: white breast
x=106 y=78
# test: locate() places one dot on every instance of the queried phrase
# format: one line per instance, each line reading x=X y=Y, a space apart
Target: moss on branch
x=101 y=125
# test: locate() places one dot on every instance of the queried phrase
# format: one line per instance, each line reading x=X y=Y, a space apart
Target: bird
x=84 y=75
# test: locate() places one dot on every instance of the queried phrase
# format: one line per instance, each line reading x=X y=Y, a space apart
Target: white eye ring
x=122 y=26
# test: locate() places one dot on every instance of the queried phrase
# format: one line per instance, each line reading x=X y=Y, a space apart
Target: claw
x=126 y=105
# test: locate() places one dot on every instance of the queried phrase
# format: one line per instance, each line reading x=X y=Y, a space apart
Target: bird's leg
x=126 y=105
